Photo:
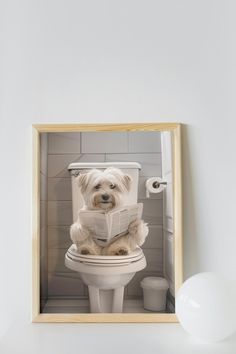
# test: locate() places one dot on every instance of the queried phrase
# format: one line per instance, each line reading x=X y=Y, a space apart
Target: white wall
x=117 y=61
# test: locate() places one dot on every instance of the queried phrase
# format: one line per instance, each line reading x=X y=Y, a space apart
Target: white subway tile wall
x=43 y=214
x=65 y=148
x=57 y=164
x=144 y=142
x=59 y=237
x=43 y=153
x=104 y=142
x=43 y=187
x=59 y=213
x=151 y=163
x=59 y=189
x=63 y=143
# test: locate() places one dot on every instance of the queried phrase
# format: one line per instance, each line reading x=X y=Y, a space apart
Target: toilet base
x=106 y=301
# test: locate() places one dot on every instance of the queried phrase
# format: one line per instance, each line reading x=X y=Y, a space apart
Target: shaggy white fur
x=106 y=190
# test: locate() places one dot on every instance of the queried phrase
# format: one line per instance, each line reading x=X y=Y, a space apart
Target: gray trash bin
x=154 y=293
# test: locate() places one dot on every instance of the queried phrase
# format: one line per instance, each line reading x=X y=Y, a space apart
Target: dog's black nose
x=105 y=196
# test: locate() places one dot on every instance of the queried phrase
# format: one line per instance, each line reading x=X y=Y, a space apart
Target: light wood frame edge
x=177 y=191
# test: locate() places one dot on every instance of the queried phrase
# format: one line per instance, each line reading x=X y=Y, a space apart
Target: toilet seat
x=100 y=260
x=97 y=265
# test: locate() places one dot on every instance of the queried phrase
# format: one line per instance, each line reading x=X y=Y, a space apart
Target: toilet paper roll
x=154 y=185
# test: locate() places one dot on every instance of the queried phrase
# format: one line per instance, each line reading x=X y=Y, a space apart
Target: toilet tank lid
x=88 y=165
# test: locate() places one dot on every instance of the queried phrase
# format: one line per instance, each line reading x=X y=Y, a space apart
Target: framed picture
x=107 y=222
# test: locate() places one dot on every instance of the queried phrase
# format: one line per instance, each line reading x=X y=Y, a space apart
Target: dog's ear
x=127 y=180
x=124 y=179
x=82 y=181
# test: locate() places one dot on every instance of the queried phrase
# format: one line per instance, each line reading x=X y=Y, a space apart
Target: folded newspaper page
x=104 y=226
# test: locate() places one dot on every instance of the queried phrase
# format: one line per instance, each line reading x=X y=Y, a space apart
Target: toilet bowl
x=105 y=276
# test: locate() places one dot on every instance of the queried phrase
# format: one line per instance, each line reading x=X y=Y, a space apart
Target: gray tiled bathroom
x=61 y=288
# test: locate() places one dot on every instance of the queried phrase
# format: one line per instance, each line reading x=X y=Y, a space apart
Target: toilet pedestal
x=106 y=301
x=105 y=276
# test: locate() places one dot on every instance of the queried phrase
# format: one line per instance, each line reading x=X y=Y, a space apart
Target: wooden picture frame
x=37 y=129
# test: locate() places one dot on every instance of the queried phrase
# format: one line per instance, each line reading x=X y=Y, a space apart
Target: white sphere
x=205 y=306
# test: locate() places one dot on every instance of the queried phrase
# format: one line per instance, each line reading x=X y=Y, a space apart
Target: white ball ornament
x=205 y=307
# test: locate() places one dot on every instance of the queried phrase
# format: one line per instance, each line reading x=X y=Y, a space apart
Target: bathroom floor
x=82 y=306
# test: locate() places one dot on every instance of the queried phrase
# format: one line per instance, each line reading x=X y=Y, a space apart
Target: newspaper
x=105 y=226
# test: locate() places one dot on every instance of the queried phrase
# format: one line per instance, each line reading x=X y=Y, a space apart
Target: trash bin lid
x=156 y=283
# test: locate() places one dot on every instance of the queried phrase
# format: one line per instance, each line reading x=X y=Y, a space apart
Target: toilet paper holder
x=154 y=185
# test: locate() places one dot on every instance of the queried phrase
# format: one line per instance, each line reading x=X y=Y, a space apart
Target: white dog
x=106 y=190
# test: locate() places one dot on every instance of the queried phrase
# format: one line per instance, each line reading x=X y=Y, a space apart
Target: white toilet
x=106 y=276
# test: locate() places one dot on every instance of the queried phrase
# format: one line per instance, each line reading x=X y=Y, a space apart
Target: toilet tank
x=130 y=168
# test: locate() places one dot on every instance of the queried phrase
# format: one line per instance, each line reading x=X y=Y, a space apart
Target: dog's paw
x=85 y=250
x=78 y=233
x=119 y=251
x=134 y=226
x=122 y=251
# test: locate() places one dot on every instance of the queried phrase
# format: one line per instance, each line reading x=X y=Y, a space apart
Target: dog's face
x=106 y=189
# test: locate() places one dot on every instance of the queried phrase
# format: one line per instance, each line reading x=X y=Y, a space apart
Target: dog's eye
x=112 y=186
x=97 y=186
